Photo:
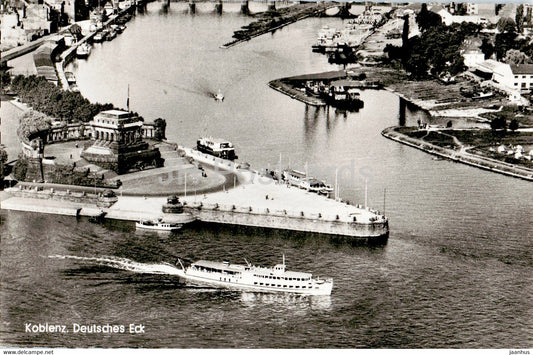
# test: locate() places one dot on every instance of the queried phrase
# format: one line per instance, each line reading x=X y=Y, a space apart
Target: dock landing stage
x=260 y=201
x=254 y=201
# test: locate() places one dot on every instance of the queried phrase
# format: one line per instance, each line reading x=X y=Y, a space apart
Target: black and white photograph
x=260 y=174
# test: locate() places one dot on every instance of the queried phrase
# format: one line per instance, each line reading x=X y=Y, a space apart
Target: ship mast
x=279 y=171
x=336 y=184
x=384 y=199
x=307 y=174
x=366 y=191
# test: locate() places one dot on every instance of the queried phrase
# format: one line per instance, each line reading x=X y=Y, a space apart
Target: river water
x=456 y=271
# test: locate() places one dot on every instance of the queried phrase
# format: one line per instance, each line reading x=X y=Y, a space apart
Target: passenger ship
x=300 y=179
x=158 y=225
x=254 y=278
x=217 y=147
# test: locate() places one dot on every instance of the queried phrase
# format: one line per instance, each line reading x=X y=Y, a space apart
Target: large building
x=116 y=126
x=117 y=142
x=513 y=78
x=471 y=52
x=485 y=10
x=522 y=77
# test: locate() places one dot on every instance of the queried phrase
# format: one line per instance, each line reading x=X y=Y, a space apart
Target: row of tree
x=3 y=161
x=437 y=50
x=500 y=123
x=508 y=39
x=48 y=98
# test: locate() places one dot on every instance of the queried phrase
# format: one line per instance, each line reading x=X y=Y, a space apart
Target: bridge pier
x=345 y=10
x=192 y=7
x=218 y=7
x=271 y=6
x=245 y=10
x=141 y=5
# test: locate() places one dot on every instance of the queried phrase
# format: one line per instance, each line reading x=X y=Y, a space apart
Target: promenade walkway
x=462 y=155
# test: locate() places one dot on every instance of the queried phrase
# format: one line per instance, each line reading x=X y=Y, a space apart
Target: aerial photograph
x=259 y=174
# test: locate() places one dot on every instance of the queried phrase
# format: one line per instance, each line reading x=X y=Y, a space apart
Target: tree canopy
x=427 y=19
x=46 y=97
x=435 y=51
x=32 y=124
x=506 y=24
x=3 y=160
x=514 y=56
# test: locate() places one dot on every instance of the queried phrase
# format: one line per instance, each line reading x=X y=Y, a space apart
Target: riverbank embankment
x=68 y=55
x=257 y=200
x=295 y=93
x=460 y=156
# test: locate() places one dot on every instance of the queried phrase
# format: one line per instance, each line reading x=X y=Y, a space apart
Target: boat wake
x=125 y=264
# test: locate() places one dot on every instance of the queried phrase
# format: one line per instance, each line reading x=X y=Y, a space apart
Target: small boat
x=83 y=50
x=74 y=88
x=219 y=96
x=105 y=33
x=254 y=278
x=111 y=35
x=100 y=218
x=158 y=225
x=71 y=79
x=99 y=37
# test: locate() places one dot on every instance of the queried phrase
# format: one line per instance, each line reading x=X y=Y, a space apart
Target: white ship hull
x=325 y=288
x=254 y=279
x=161 y=227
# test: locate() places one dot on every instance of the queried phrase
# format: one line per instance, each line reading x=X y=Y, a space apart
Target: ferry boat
x=158 y=225
x=294 y=177
x=300 y=179
x=83 y=50
x=217 y=147
x=254 y=278
x=318 y=186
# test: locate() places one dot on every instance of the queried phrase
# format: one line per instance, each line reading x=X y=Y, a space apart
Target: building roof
x=331 y=75
x=492 y=65
x=348 y=83
x=522 y=68
x=437 y=8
